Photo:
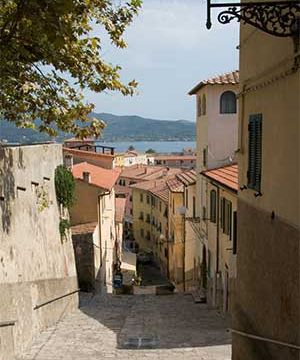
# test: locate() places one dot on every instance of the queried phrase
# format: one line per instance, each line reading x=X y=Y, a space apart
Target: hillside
x=119 y=128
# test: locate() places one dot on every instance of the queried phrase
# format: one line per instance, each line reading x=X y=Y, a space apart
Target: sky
x=169 y=51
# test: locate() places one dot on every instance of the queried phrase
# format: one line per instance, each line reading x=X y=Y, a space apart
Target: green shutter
x=254 y=151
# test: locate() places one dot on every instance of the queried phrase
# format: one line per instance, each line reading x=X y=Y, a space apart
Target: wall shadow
x=158 y=321
x=7 y=185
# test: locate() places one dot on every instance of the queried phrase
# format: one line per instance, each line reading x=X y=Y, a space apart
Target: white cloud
x=169 y=50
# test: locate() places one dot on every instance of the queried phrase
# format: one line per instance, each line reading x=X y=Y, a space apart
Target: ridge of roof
x=225 y=175
x=187 y=177
x=101 y=177
x=223 y=79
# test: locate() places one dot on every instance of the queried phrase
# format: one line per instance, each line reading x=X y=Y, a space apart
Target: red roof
x=226 y=175
x=174 y=157
x=87 y=228
x=86 y=154
x=175 y=185
x=224 y=79
x=103 y=178
x=120 y=209
x=187 y=177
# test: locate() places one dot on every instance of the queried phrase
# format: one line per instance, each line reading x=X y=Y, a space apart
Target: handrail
x=261 y=338
x=7 y=323
x=55 y=299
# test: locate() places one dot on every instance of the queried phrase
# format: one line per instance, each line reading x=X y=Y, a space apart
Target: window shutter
x=222 y=213
x=254 y=151
x=234 y=242
x=230 y=220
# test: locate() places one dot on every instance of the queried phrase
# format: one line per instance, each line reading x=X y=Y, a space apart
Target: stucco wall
x=267 y=294
x=217 y=131
x=36 y=266
x=192 y=243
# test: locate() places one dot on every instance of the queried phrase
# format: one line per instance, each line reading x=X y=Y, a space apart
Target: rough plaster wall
x=35 y=266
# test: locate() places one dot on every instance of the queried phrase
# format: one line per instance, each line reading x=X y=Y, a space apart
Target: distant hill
x=119 y=128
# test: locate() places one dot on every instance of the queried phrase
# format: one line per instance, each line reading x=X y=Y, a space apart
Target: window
x=130 y=211
x=160 y=206
x=199 y=106
x=141 y=217
x=153 y=201
x=213 y=206
x=228 y=103
x=203 y=104
x=148 y=199
x=254 y=152
x=226 y=216
x=148 y=218
x=130 y=198
x=173 y=207
x=186 y=198
x=203 y=213
x=141 y=197
x=148 y=235
x=142 y=233
x=234 y=233
x=194 y=207
x=204 y=157
x=131 y=182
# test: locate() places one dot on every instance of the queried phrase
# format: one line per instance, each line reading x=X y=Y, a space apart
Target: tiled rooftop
x=226 y=175
x=144 y=172
x=103 y=178
x=120 y=209
x=156 y=187
x=175 y=157
x=87 y=228
x=224 y=79
x=86 y=154
x=187 y=177
x=175 y=185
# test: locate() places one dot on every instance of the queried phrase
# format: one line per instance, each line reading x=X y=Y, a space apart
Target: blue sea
x=158 y=146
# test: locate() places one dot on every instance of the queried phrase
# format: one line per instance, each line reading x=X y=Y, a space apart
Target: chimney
x=68 y=160
x=86 y=176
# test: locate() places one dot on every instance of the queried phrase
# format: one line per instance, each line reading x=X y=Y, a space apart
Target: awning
x=128 y=261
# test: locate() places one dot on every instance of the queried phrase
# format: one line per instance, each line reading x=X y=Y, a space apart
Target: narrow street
x=133 y=327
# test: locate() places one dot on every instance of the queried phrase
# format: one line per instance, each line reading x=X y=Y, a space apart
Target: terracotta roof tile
x=86 y=154
x=187 y=177
x=226 y=175
x=175 y=157
x=103 y=178
x=224 y=79
x=161 y=191
x=175 y=185
x=87 y=228
x=120 y=209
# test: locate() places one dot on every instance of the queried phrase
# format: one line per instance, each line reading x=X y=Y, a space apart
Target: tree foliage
x=150 y=151
x=64 y=186
x=57 y=35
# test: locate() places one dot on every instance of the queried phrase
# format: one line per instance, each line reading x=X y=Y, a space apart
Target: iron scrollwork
x=280 y=18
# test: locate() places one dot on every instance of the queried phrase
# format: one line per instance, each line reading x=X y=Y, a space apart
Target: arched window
x=203 y=104
x=199 y=106
x=228 y=103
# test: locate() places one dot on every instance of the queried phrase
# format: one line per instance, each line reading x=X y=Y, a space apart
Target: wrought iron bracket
x=278 y=18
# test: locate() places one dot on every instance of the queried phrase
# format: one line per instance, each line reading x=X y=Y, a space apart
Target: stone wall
x=36 y=266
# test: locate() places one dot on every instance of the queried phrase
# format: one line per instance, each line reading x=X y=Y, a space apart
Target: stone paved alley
x=136 y=327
